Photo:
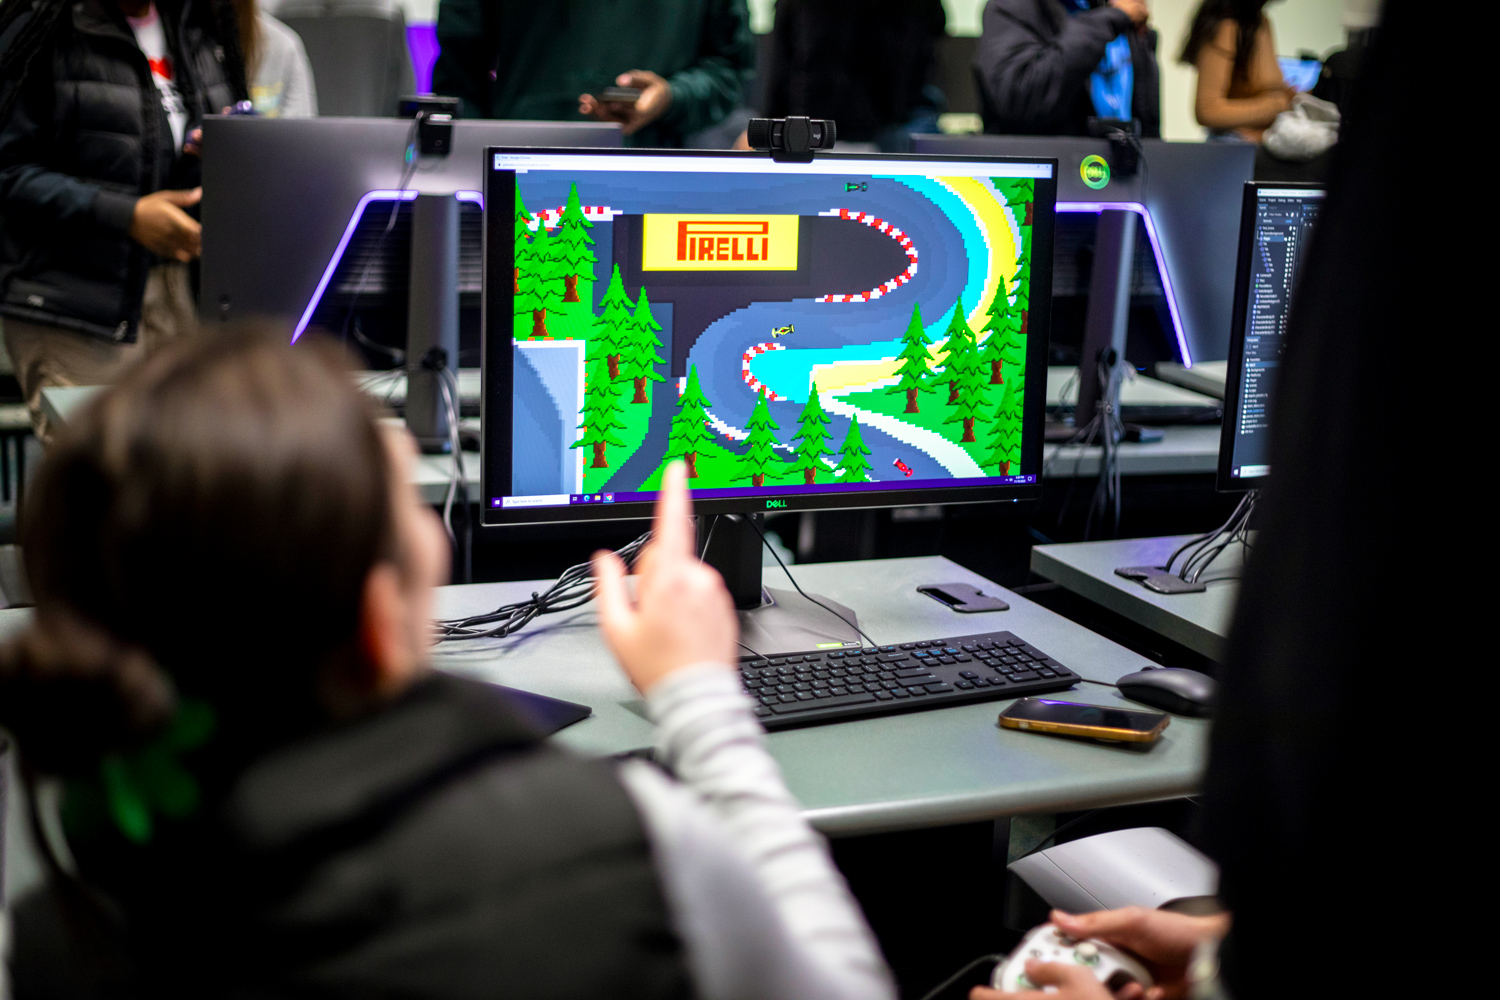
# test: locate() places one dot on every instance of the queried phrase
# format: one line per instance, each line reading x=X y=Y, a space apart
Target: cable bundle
x=573 y=589
x=1206 y=548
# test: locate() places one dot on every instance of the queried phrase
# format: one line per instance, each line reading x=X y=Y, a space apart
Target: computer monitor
x=1276 y=221
x=1186 y=196
x=857 y=331
x=294 y=211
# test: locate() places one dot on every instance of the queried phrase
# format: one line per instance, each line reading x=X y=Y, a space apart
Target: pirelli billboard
x=720 y=243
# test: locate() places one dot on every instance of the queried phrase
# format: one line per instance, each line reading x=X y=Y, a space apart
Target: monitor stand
x=432 y=319
x=772 y=619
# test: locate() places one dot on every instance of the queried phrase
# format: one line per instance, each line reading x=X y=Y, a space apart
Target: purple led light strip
x=1161 y=264
x=406 y=194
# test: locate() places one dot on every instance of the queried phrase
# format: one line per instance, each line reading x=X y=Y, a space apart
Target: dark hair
x=203 y=530
x=1247 y=16
x=27 y=26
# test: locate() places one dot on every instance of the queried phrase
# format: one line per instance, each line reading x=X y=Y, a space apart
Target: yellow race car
x=783 y=331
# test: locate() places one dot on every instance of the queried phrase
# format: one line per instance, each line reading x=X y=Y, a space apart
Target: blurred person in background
x=553 y=61
x=281 y=78
x=1240 y=86
x=1044 y=67
x=866 y=64
x=100 y=102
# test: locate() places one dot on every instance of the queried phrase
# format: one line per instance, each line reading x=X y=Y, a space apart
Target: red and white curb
x=749 y=355
x=550 y=217
x=894 y=233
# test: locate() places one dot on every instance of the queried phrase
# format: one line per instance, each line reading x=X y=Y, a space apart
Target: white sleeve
x=755 y=896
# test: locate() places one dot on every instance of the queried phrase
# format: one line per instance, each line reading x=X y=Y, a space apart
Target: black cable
x=458 y=482
x=408 y=170
x=1236 y=528
x=777 y=556
x=573 y=589
x=938 y=990
x=1166 y=567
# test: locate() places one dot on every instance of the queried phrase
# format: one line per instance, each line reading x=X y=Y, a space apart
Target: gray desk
x=1198 y=621
x=929 y=768
x=945 y=766
x=1183 y=450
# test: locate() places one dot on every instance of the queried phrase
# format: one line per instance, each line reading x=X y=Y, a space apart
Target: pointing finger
x=673 y=508
x=615 y=614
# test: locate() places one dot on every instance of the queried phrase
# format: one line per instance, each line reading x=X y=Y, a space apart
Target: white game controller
x=1046 y=943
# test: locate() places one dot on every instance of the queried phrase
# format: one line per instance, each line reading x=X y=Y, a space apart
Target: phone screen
x=1072 y=714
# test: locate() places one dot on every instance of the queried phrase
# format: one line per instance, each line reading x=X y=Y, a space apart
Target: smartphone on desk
x=1095 y=722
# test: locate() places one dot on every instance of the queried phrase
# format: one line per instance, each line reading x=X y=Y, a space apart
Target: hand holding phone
x=1068 y=718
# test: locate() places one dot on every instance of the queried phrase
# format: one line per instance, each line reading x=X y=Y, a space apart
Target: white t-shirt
x=153 y=42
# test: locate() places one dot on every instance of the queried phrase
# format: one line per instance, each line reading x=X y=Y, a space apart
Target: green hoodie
x=529 y=59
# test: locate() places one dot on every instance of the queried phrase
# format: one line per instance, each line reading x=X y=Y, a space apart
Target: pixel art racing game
x=856 y=324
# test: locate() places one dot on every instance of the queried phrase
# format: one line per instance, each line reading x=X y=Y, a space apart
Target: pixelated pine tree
x=852 y=457
x=690 y=430
x=638 y=357
x=1020 y=287
x=960 y=355
x=612 y=333
x=1010 y=413
x=761 y=458
x=601 y=414
x=537 y=285
x=970 y=404
x=1005 y=436
x=572 y=242
x=812 y=429
x=916 y=363
x=1018 y=192
x=523 y=241
x=1004 y=328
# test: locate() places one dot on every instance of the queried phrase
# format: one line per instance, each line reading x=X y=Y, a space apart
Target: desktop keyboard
x=817 y=686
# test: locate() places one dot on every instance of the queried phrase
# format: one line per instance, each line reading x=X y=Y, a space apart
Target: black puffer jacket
x=1034 y=62
x=89 y=136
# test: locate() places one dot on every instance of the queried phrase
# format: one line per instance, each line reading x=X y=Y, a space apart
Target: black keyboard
x=809 y=688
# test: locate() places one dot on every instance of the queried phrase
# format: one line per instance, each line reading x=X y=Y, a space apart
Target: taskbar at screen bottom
x=766 y=492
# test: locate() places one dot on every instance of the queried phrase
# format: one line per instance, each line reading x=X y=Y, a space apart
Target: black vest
x=435 y=849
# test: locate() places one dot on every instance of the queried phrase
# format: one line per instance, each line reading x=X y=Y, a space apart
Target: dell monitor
x=857 y=331
x=1276 y=222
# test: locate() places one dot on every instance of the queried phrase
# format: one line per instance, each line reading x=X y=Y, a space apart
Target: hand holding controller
x=1111 y=966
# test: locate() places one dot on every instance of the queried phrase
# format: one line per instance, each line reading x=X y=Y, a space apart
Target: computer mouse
x=1171 y=689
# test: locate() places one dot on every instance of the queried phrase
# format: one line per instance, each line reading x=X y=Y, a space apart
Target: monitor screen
x=855 y=331
x=1274 y=231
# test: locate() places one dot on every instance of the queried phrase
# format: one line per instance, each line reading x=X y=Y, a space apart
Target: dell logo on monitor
x=775 y=504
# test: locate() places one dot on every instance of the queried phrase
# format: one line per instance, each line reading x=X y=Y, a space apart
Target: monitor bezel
x=499 y=266
x=1233 y=375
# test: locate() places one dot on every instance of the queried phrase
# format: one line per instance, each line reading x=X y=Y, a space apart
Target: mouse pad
x=550 y=715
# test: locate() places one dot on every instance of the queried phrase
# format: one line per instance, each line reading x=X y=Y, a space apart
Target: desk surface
x=926 y=768
x=1197 y=621
x=930 y=768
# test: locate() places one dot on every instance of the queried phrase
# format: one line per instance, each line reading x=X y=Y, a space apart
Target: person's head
x=229 y=524
x=1246 y=15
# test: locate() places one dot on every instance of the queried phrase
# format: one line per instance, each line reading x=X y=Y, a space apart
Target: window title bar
x=839 y=167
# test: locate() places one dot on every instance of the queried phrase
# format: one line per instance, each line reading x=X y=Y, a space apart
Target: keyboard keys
x=937 y=672
x=848 y=699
